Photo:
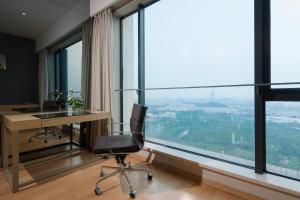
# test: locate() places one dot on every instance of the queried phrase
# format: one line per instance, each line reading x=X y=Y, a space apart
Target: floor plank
x=80 y=184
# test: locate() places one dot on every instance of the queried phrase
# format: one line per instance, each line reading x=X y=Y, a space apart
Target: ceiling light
x=24 y=13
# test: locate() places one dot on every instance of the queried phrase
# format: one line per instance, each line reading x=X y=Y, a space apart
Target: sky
x=74 y=66
x=200 y=42
x=285 y=31
x=211 y=42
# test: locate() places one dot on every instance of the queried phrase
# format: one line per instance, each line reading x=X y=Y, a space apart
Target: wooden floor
x=80 y=184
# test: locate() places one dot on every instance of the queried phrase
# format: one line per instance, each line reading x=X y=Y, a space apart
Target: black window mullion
x=262 y=75
x=141 y=55
x=284 y=94
x=121 y=76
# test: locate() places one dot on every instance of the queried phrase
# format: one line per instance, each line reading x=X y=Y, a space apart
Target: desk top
x=62 y=114
x=16 y=106
x=22 y=121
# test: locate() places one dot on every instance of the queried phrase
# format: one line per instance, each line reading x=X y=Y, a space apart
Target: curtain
x=46 y=75
x=101 y=64
x=87 y=30
x=50 y=75
x=43 y=81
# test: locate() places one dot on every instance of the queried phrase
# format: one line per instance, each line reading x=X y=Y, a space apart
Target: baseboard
x=178 y=171
x=174 y=164
x=175 y=161
x=230 y=190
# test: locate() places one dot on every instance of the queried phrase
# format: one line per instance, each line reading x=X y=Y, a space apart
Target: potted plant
x=61 y=98
x=74 y=100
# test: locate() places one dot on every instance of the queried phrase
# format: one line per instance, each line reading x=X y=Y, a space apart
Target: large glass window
x=185 y=44
x=129 y=64
x=68 y=69
x=283 y=138
x=74 y=66
x=199 y=42
x=285 y=42
x=282 y=115
x=204 y=121
x=204 y=43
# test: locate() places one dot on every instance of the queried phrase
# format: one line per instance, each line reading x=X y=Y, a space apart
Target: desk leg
x=1 y=144
x=5 y=152
x=82 y=140
x=11 y=145
x=71 y=135
x=15 y=160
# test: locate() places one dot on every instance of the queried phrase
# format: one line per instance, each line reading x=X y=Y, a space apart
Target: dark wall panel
x=19 y=82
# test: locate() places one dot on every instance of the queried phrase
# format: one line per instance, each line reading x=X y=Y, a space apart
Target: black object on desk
x=62 y=114
x=28 y=110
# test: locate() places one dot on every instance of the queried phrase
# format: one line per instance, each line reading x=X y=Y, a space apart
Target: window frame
x=262 y=75
x=56 y=57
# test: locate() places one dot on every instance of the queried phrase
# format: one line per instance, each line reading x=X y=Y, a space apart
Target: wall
x=18 y=84
x=98 y=5
x=71 y=21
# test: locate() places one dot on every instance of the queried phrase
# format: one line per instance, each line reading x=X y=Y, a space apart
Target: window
x=74 y=66
x=283 y=110
x=283 y=138
x=129 y=64
x=68 y=68
x=171 y=46
x=209 y=124
x=205 y=43
x=181 y=51
x=285 y=42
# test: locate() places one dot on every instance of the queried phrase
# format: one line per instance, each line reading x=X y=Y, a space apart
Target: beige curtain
x=101 y=70
x=46 y=75
x=87 y=32
x=43 y=81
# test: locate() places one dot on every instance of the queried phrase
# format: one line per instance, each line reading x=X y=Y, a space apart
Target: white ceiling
x=41 y=14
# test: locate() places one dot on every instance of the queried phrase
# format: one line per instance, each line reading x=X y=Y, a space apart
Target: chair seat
x=117 y=144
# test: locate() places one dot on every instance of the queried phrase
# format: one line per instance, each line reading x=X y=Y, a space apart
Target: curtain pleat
x=87 y=32
x=50 y=74
x=43 y=81
x=46 y=75
x=101 y=63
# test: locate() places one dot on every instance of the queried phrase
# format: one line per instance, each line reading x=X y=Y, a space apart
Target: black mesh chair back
x=49 y=105
x=137 y=123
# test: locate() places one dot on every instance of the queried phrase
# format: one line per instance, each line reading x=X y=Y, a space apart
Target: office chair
x=121 y=145
x=48 y=106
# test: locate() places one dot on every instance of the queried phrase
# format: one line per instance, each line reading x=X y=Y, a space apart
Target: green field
x=227 y=128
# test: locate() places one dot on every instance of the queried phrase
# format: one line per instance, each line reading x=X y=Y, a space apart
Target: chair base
x=45 y=136
x=121 y=169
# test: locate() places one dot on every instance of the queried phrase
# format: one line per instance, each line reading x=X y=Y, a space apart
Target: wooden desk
x=13 y=106
x=13 y=124
x=6 y=109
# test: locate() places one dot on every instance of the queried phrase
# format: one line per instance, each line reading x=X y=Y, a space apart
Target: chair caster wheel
x=98 y=191
x=132 y=194
x=150 y=177
x=46 y=141
x=59 y=137
x=29 y=141
x=102 y=174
